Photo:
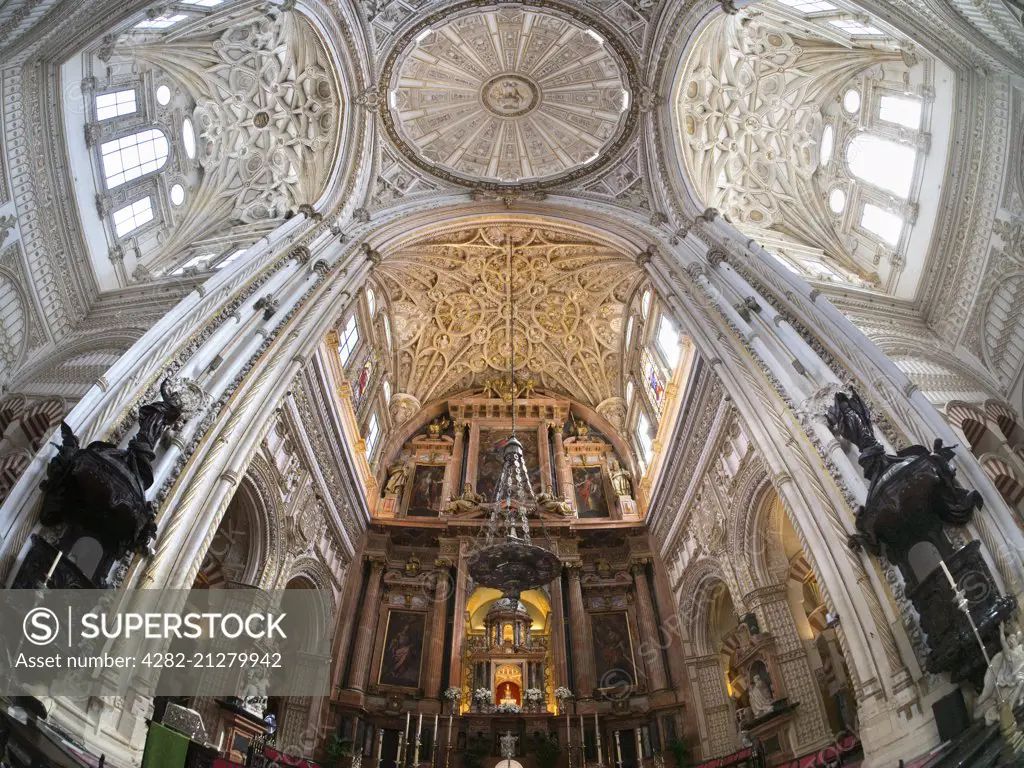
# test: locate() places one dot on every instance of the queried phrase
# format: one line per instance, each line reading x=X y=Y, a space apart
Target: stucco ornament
x=449 y=298
x=508 y=95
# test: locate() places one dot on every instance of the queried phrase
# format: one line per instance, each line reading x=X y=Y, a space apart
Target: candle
x=618 y=749
x=945 y=570
x=597 y=733
x=639 y=748
x=53 y=566
x=380 y=745
x=433 y=741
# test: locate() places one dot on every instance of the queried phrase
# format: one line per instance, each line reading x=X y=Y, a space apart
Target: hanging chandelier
x=508 y=560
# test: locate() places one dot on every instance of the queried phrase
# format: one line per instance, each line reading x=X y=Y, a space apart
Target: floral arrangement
x=561 y=692
x=533 y=694
x=483 y=695
x=509 y=708
x=452 y=693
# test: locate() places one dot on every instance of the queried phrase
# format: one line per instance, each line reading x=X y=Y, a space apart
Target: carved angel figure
x=469 y=500
x=547 y=502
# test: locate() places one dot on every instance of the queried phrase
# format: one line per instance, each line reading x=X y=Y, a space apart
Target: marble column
x=562 y=470
x=438 y=615
x=650 y=642
x=361 y=655
x=561 y=674
x=579 y=629
x=461 y=577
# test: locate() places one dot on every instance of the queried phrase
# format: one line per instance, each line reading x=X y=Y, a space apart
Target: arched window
x=645 y=303
x=654 y=379
x=629 y=329
x=371 y=301
x=644 y=439
x=162 y=22
x=372 y=434
x=886 y=225
x=349 y=340
x=629 y=392
x=668 y=342
x=886 y=164
x=387 y=331
x=387 y=391
x=132 y=156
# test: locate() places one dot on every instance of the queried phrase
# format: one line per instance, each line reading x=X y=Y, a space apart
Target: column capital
x=377 y=562
x=638 y=566
x=575 y=569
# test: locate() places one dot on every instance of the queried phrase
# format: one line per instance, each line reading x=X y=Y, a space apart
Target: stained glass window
x=654 y=380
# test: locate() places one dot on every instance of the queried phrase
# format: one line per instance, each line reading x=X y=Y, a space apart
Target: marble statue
x=546 y=502
x=396 y=480
x=1004 y=679
x=760 y=697
x=469 y=500
x=620 y=479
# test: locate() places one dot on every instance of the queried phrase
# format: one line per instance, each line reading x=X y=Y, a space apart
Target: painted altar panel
x=492 y=444
x=427 y=487
x=613 y=649
x=588 y=484
x=403 y=649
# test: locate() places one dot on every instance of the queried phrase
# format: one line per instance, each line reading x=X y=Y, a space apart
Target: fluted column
x=435 y=656
x=367 y=626
x=579 y=628
x=459 y=628
x=649 y=639
x=561 y=673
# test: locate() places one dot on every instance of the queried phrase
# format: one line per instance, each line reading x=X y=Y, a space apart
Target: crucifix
x=508 y=747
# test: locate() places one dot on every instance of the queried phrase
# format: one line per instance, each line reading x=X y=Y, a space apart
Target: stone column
x=562 y=471
x=715 y=711
x=650 y=642
x=363 y=651
x=672 y=626
x=561 y=673
x=810 y=723
x=459 y=627
x=435 y=654
x=579 y=627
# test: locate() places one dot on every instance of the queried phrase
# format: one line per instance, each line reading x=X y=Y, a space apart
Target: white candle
x=380 y=745
x=53 y=566
x=597 y=733
x=639 y=748
x=419 y=731
x=433 y=741
x=618 y=749
x=945 y=570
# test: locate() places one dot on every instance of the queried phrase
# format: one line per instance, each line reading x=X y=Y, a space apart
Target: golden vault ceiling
x=449 y=304
x=508 y=95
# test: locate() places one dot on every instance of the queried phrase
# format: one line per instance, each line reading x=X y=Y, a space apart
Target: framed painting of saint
x=591 y=500
x=426 y=491
x=613 y=649
x=403 y=649
x=492 y=447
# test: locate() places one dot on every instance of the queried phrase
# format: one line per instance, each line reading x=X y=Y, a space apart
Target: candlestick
x=53 y=566
x=416 y=751
x=597 y=733
x=568 y=734
x=400 y=758
x=961 y=600
x=949 y=576
x=583 y=744
x=448 y=746
x=380 y=746
x=434 y=747
x=618 y=749
x=639 y=747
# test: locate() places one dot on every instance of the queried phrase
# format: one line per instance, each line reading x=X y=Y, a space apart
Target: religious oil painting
x=613 y=649
x=426 y=491
x=403 y=649
x=590 y=497
x=492 y=446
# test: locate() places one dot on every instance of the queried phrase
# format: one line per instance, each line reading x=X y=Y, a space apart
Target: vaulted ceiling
x=449 y=299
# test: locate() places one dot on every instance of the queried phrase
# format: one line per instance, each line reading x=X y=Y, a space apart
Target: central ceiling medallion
x=506 y=95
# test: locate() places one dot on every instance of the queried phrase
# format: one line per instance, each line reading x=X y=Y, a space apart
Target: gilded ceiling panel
x=450 y=302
